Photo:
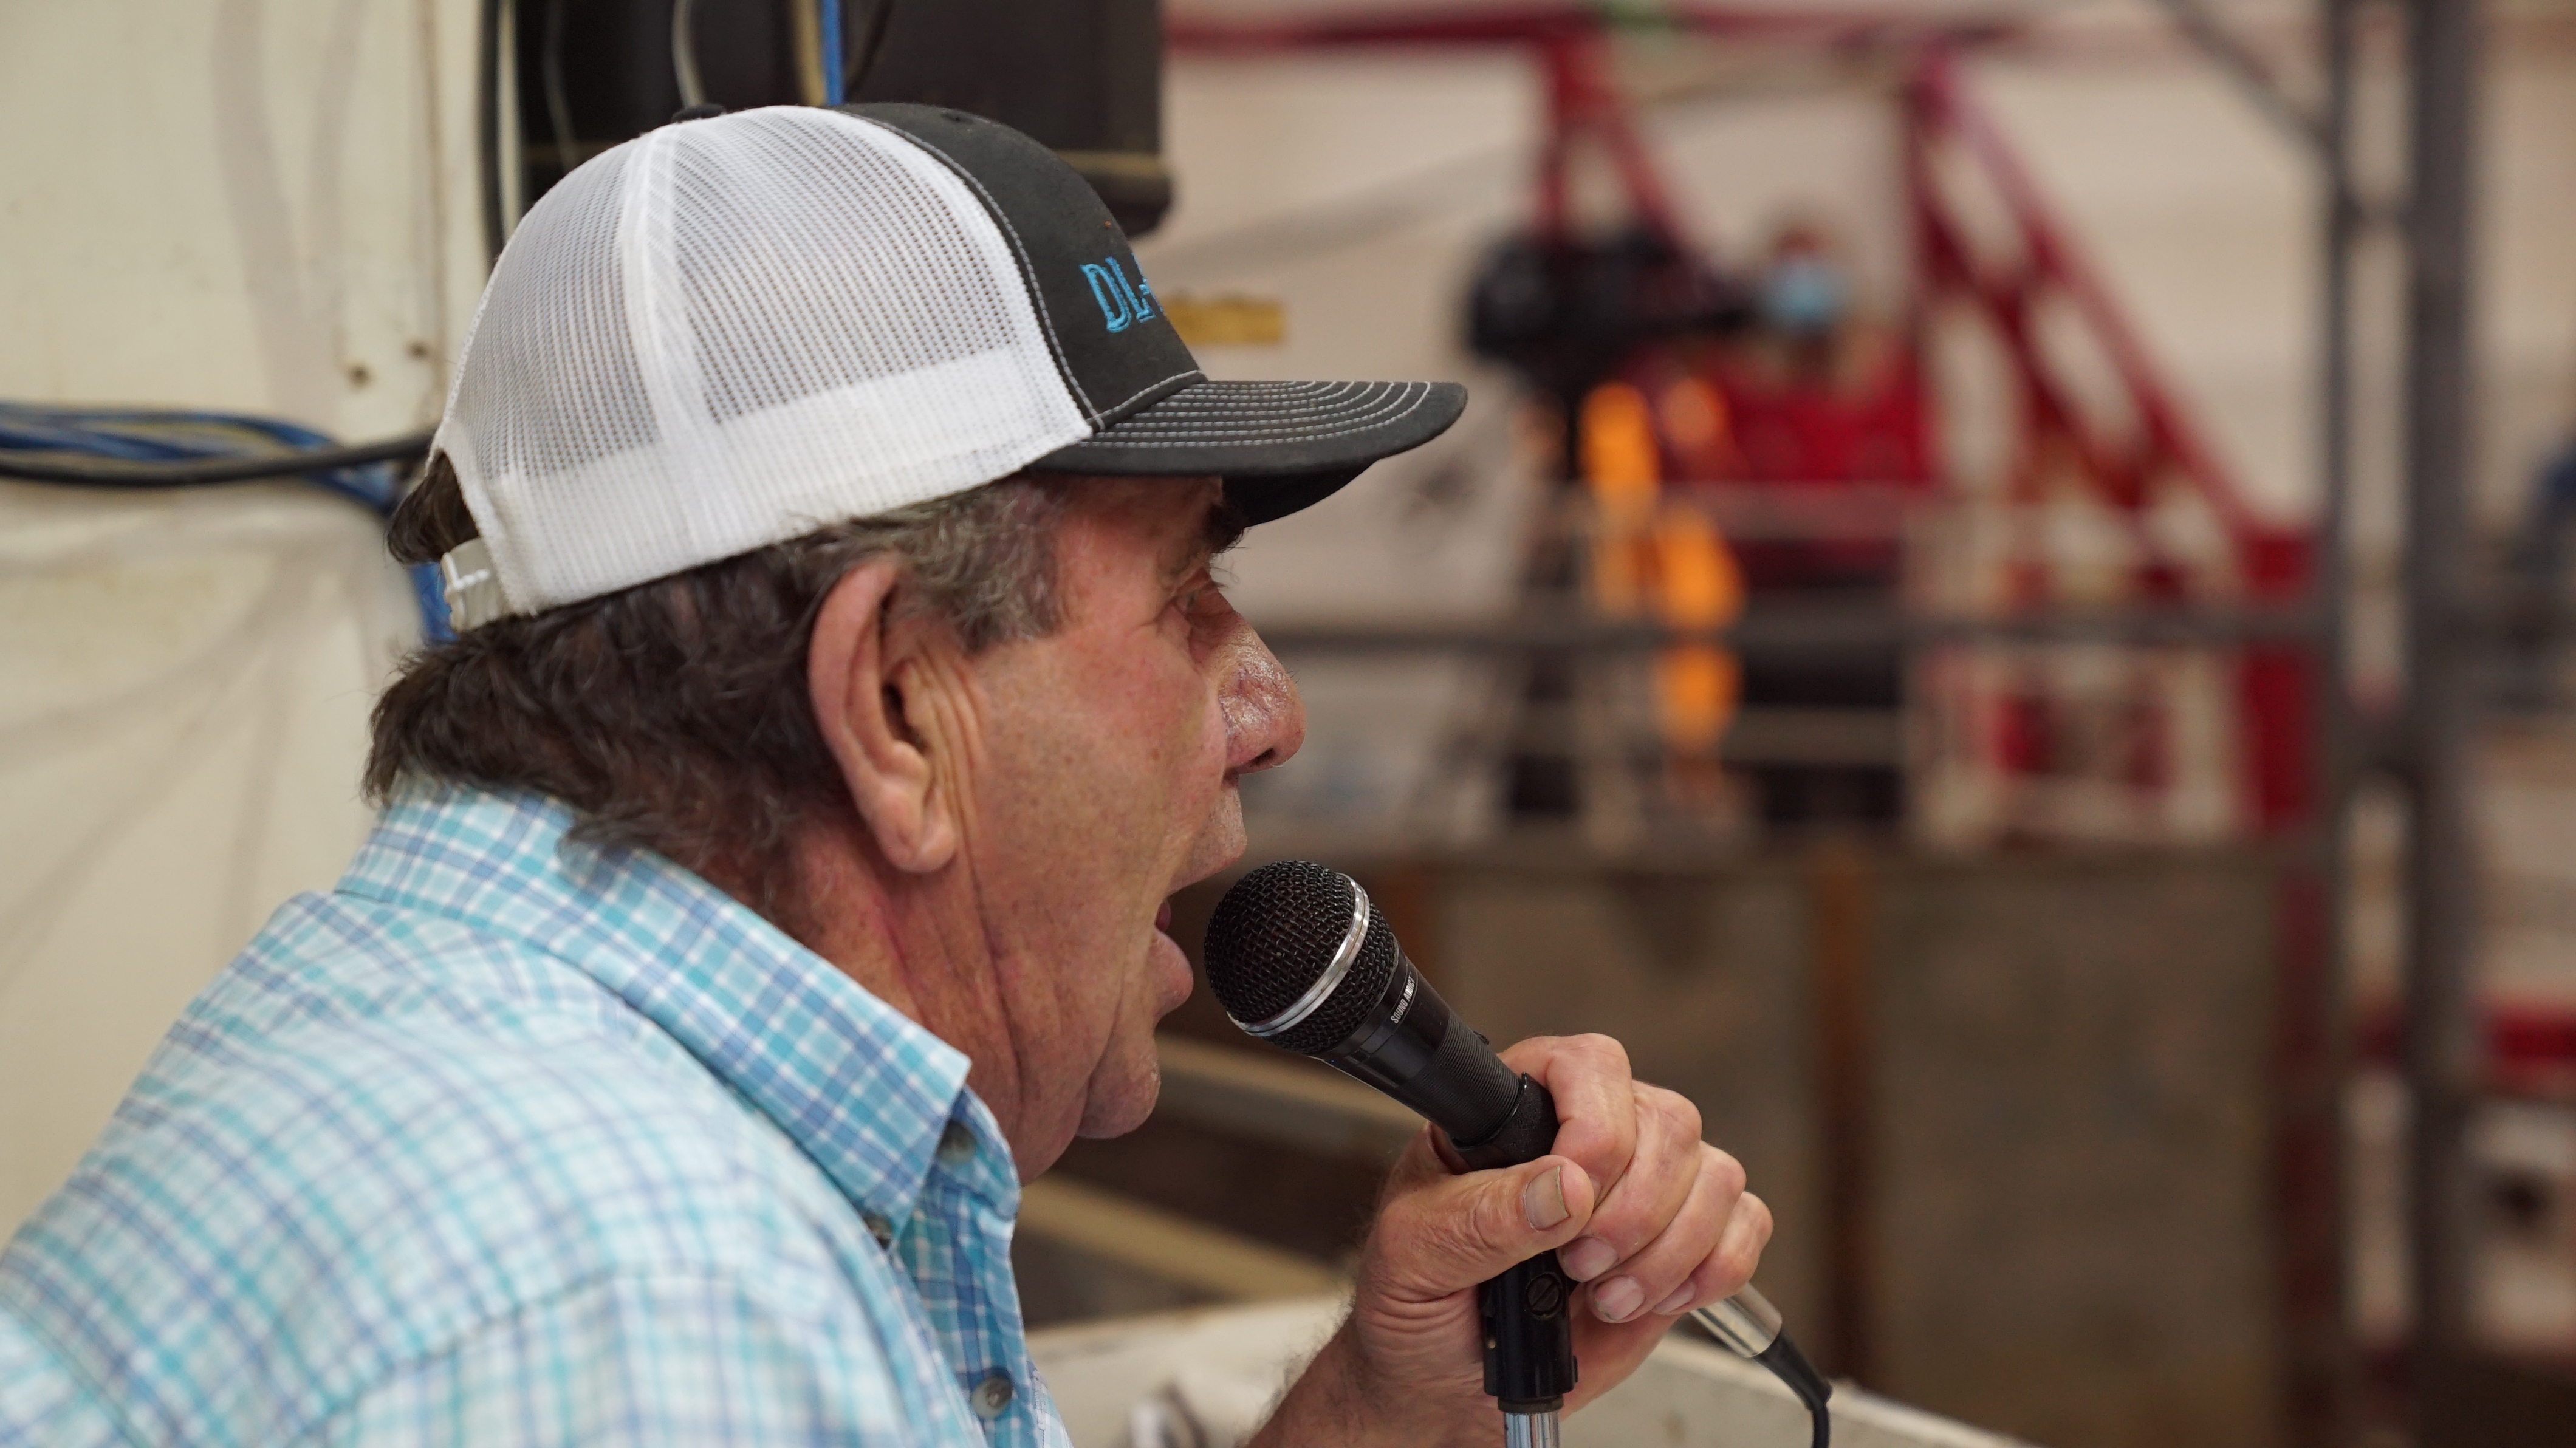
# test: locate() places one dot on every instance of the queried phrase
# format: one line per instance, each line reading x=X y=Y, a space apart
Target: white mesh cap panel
x=726 y=333
x=549 y=382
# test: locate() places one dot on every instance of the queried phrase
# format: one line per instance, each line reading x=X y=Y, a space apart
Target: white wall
x=263 y=205
x=255 y=205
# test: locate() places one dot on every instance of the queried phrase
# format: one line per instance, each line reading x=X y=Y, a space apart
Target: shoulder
x=367 y=1142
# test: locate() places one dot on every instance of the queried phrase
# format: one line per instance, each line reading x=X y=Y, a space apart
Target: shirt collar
x=862 y=1089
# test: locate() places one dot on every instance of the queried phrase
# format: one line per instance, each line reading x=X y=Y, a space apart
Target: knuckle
x=1708 y=1283
x=1497 y=1221
x=1735 y=1266
x=1531 y=1053
x=1762 y=1221
x=1724 y=1172
x=1679 y=1112
x=1604 y=1049
x=1422 y=1252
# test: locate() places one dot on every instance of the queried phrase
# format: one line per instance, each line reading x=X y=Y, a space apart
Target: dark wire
x=197 y=471
x=157 y=449
x=558 y=102
x=854 y=72
x=1791 y=1367
x=487 y=127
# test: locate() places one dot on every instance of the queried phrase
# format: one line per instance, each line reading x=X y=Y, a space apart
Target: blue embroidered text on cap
x=1121 y=304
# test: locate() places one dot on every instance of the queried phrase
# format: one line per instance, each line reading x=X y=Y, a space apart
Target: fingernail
x=1680 y=1299
x=1587 y=1258
x=1617 y=1299
x=1543 y=1200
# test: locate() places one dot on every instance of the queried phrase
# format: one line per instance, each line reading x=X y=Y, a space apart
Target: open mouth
x=1163 y=918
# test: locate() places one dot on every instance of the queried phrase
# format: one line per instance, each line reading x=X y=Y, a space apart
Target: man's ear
x=858 y=665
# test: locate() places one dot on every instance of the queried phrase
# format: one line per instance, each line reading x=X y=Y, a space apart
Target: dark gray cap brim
x=1280 y=446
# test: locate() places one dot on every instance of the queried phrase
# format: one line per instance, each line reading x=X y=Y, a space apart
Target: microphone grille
x=1273 y=936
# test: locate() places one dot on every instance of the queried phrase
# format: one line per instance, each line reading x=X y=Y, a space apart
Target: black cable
x=558 y=100
x=487 y=127
x=854 y=72
x=1791 y=1367
x=282 y=464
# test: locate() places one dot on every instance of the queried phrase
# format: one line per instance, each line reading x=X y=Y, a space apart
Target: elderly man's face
x=1107 y=781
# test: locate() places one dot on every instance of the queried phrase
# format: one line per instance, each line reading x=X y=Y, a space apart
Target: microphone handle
x=1528 y=1310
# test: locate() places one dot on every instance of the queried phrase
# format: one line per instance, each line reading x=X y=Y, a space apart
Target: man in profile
x=771 y=873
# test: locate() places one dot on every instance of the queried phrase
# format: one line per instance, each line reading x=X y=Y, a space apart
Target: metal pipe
x=1529 y=1430
x=2324 y=1368
x=2442 y=1045
x=2244 y=65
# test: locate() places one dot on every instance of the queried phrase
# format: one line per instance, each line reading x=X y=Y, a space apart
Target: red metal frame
x=2274 y=681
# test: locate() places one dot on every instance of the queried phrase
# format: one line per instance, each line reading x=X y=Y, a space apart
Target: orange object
x=1697 y=687
x=1624 y=475
x=1650 y=555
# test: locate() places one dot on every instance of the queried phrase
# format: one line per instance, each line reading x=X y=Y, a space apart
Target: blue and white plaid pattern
x=510 y=1141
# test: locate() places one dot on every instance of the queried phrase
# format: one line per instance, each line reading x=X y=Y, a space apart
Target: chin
x=1123 y=1092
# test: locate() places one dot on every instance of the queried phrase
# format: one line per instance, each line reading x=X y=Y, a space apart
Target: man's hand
x=1650 y=1218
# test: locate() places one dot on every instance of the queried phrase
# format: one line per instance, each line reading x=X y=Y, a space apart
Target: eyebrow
x=1221 y=527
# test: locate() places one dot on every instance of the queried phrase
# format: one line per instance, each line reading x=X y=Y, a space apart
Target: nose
x=1265 y=721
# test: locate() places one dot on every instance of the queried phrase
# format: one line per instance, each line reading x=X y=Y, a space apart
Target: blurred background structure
x=1998 y=613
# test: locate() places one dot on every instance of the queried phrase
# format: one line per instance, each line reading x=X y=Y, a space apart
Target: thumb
x=1450 y=1233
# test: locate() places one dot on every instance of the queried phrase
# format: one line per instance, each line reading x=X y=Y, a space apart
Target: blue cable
x=834 y=58
x=143 y=435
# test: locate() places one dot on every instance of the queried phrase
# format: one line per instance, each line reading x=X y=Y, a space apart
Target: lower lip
x=1175 y=962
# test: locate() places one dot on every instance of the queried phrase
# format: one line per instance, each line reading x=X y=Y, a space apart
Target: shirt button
x=879 y=1228
x=956 y=1144
x=992 y=1397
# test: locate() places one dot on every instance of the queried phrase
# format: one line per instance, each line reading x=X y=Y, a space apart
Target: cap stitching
x=1196 y=435
x=1202 y=440
x=1148 y=387
x=1028 y=268
x=1203 y=405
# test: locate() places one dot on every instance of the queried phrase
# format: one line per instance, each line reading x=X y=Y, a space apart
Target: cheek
x=1134 y=762
x=1174 y=732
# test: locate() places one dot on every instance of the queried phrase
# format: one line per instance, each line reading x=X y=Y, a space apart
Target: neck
x=916 y=943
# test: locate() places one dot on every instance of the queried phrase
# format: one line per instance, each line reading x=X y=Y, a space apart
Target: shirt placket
x=970 y=1197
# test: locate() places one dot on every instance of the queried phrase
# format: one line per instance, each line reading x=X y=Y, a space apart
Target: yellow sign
x=1226 y=321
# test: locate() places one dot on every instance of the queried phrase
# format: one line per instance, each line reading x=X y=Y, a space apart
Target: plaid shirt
x=510 y=1140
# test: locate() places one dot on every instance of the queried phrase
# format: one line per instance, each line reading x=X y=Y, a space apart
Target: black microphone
x=1299 y=956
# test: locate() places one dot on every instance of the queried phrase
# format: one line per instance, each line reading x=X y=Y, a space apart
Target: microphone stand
x=1530 y=1430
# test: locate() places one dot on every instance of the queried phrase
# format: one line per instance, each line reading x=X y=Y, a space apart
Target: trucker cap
x=729 y=332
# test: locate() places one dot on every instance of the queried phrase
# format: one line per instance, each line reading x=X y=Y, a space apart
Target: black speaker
x=1082 y=76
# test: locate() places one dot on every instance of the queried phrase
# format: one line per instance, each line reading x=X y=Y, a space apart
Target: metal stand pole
x=2324 y=1370
x=1529 y=1430
x=2444 y=671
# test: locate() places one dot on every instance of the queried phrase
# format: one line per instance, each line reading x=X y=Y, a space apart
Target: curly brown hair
x=674 y=715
